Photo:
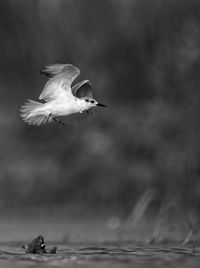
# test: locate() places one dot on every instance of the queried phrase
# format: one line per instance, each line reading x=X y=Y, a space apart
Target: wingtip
x=56 y=68
x=45 y=72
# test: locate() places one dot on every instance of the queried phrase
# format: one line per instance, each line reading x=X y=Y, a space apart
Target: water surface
x=101 y=256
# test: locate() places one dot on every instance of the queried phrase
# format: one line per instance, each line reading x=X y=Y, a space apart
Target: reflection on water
x=104 y=255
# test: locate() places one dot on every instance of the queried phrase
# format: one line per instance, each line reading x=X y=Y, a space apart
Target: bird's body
x=60 y=98
x=63 y=108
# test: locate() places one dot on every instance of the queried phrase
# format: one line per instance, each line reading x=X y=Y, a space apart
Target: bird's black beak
x=101 y=105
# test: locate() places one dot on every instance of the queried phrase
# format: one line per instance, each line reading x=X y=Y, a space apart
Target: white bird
x=60 y=98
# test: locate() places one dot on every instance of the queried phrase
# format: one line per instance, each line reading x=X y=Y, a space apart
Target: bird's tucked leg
x=56 y=119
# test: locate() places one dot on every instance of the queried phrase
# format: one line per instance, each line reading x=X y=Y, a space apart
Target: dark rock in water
x=53 y=250
x=37 y=246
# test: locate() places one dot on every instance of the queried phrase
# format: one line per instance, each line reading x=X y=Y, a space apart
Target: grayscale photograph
x=100 y=133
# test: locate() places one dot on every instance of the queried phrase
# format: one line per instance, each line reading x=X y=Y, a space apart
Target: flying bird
x=59 y=96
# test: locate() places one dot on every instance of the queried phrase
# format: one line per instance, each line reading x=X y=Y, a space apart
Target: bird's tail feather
x=31 y=113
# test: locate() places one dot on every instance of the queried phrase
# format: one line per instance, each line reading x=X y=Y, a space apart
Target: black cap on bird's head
x=94 y=102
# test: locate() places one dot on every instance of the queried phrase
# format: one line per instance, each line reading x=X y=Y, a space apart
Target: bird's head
x=90 y=102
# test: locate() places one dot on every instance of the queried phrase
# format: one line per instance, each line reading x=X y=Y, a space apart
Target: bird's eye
x=92 y=101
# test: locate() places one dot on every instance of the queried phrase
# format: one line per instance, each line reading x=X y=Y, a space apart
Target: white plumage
x=60 y=99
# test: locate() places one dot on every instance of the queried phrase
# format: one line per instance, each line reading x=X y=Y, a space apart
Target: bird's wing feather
x=59 y=85
x=83 y=89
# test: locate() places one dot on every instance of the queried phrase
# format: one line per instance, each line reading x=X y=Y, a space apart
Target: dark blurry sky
x=143 y=59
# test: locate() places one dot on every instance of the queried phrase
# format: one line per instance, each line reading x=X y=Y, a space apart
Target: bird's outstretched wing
x=82 y=89
x=59 y=84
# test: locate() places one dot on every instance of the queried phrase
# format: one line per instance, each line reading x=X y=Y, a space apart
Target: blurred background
x=143 y=59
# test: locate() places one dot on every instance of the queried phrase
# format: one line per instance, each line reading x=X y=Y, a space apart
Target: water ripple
x=102 y=256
